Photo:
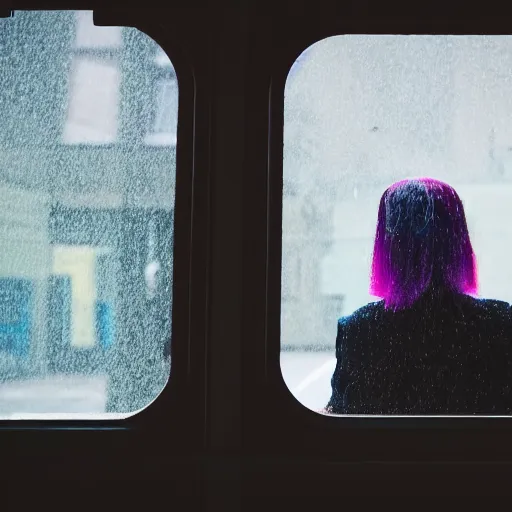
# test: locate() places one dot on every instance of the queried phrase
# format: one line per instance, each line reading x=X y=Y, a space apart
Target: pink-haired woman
x=430 y=347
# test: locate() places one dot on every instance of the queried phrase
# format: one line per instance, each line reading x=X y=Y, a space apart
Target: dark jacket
x=447 y=354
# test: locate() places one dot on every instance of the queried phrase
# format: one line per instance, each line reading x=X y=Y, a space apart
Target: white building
x=365 y=111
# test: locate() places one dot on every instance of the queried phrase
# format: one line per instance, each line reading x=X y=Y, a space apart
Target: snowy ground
x=307 y=375
x=55 y=394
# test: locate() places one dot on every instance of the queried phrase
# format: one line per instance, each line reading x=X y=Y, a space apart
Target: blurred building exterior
x=363 y=112
x=87 y=177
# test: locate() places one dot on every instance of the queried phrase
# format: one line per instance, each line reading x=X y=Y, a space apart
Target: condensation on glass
x=87 y=186
x=362 y=112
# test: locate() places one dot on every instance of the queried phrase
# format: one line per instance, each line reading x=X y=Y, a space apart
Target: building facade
x=87 y=170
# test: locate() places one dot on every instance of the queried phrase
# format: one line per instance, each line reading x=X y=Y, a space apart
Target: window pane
x=166 y=112
x=86 y=220
x=363 y=112
x=161 y=59
x=93 y=102
x=90 y=36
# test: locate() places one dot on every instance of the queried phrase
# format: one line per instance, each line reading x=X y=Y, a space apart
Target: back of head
x=422 y=242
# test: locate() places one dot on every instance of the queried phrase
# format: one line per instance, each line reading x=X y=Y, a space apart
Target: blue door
x=16 y=313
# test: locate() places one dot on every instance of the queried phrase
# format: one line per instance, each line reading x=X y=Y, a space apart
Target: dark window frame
x=174 y=421
x=277 y=423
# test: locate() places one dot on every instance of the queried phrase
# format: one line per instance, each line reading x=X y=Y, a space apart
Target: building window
x=93 y=109
x=94 y=83
x=164 y=119
x=87 y=35
x=162 y=60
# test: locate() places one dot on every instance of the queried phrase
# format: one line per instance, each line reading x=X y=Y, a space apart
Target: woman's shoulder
x=368 y=313
x=488 y=307
x=492 y=313
x=373 y=312
x=356 y=331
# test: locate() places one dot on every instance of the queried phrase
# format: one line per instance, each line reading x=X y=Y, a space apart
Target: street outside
x=306 y=374
x=53 y=394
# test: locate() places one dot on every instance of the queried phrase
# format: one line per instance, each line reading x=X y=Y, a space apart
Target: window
x=89 y=36
x=93 y=97
x=93 y=102
x=164 y=116
x=161 y=59
x=87 y=220
x=362 y=112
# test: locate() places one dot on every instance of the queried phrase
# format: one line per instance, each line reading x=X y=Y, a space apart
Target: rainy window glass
x=361 y=113
x=86 y=217
x=163 y=129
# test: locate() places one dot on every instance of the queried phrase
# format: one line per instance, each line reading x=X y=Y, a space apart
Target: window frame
x=173 y=422
x=277 y=423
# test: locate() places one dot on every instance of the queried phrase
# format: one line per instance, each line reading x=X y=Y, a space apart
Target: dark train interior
x=154 y=352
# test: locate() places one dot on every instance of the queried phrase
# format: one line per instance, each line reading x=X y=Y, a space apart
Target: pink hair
x=422 y=240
